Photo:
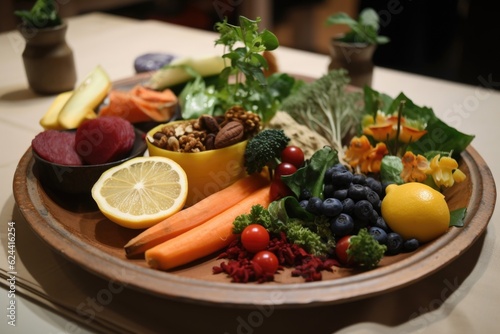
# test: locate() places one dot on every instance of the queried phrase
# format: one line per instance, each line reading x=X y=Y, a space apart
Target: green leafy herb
x=311 y=175
x=457 y=217
x=243 y=81
x=364 y=250
x=326 y=107
x=197 y=99
x=299 y=226
x=364 y=30
x=43 y=14
x=390 y=169
x=440 y=136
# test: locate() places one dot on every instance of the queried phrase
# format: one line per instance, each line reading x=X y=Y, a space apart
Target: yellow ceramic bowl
x=208 y=171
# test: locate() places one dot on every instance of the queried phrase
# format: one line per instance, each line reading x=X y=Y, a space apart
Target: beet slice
x=104 y=139
x=57 y=147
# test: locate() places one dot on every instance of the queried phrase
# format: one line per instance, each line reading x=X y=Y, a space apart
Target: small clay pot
x=356 y=58
x=48 y=60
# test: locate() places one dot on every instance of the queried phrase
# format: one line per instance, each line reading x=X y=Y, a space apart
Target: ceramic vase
x=356 y=58
x=48 y=60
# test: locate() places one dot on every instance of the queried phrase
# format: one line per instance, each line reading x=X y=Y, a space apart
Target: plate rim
x=175 y=287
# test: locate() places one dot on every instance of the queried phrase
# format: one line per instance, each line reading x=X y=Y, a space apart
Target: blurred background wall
x=454 y=40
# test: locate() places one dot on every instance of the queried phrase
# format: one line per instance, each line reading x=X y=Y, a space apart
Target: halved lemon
x=141 y=192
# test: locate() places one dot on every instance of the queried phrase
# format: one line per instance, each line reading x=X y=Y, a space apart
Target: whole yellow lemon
x=415 y=210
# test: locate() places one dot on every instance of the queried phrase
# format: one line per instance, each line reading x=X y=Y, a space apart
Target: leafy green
x=390 y=169
x=242 y=82
x=326 y=107
x=311 y=175
x=197 y=99
x=364 y=250
x=364 y=30
x=258 y=215
x=457 y=217
x=299 y=226
x=439 y=136
x=43 y=14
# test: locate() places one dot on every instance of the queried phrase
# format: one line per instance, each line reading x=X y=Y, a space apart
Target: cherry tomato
x=255 y=238
x=284 y=168
x=267 y=261
x=294 y=155
x=278 y=189
x=341 y=250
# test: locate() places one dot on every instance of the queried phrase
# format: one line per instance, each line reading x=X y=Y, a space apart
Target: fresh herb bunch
x=364 y=30
x=314 y=236
x=43 y=14
x=244 y=45
x=243 y=81
x=327 y=107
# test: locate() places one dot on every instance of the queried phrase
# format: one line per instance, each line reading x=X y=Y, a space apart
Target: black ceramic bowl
x=80 y=179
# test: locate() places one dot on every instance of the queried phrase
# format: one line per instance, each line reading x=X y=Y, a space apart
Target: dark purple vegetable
x=152 y=62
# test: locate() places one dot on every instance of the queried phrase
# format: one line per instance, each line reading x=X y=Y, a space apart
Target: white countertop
x=113 y=43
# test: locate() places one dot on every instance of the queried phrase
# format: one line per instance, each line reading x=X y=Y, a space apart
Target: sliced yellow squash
x=49 y=121
x=87 y=96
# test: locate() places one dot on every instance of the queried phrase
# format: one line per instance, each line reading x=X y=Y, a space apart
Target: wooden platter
x=74 y=227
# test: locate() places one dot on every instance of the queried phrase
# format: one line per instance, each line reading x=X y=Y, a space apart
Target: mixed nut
x=208 y=132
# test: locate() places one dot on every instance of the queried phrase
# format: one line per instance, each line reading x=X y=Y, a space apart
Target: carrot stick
x=204 y=239
x=196 y=214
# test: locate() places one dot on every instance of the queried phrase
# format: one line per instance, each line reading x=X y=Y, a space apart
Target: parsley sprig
x=243 y=82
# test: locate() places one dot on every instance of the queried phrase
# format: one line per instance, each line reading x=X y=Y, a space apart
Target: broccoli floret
x=264 y=149
x=364 y=250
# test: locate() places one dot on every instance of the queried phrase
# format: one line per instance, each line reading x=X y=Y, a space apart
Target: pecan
x=210 y=141
x=230 y=134
x=209 y=123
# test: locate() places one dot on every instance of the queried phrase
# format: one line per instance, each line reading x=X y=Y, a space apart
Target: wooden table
x=54 y=295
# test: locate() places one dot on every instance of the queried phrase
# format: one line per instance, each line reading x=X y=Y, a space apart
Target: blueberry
x=359 y=224
x=303 y=204
x=359 y=179
x=394 y=243
x=304 y=194
x=339 y=167
x=384 y=185
x=328 y=190
x=348 y=206
x=330 y=171
x=314 y=205
x=411 y=245
x=373 y=217
x=342 y=178
x=363 y=210
x=372 y=197
x=340 y=194
x=356 y=192
x=331 y=207
x=381 y=224
x=378 y=234
x=375 y=185
x=327 y=180
x=342 y=225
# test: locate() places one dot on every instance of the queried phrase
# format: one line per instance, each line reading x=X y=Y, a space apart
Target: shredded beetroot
x=241 y=269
